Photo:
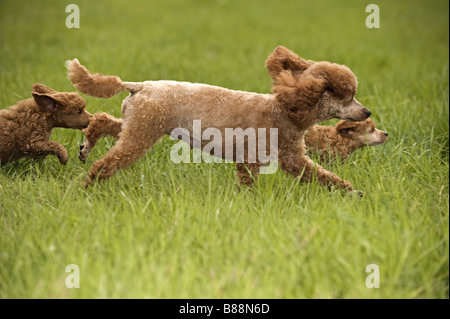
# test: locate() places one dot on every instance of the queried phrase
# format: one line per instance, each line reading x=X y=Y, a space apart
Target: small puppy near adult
x=26 y=127
x=305 y=93
x=332 y=143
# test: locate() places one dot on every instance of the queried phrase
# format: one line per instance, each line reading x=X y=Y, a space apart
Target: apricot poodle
x=27 y=126
x=337 y=142
x=305 y=93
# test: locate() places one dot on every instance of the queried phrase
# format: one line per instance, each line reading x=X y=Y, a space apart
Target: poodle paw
x=87 y=183
x=84 y=151
x=348 y=186
x=357 y=193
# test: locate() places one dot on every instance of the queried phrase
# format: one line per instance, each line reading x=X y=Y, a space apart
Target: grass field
x=165 y=230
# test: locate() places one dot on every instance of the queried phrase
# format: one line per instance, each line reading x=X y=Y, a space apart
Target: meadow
x=165 y=230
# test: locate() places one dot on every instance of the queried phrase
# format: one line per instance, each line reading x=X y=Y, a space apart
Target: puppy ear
x=297 y=94
x=282 y=59
x=41 y=88
x=344 y=127
x=45 y=101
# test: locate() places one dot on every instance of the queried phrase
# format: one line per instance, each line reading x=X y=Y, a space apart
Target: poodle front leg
x=48 y=148
x=303 y=167
x=101 y=125
x=132 y=144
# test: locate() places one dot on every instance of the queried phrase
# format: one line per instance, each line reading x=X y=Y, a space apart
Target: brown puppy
x=306 y=93
x=338 y=142
x=26 y=127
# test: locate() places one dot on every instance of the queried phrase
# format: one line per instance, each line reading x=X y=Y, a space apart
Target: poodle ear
x=41 y=88
x=298 y=94
x=45 y=101
x=344 y=127
x=341 y=81
x=282 y=59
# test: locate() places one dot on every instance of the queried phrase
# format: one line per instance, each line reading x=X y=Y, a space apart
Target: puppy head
x=312 y=92
x=66 y=108
x=362 y=133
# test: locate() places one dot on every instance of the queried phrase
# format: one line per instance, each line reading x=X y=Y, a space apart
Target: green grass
x=161 y=230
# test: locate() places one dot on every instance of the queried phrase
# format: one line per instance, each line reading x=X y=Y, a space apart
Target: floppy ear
x=340 y=79
x=45 y=101
x=344 y=127
x=284 y=59
x=41 y=88
x=297 y=94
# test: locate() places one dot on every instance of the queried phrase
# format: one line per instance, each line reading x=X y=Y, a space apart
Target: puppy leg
x=247 y=173
x=101 y=125
x=47 y=148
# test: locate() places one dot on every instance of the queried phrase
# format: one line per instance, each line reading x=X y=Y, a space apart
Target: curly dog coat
x=27 y=126
x=305 y=93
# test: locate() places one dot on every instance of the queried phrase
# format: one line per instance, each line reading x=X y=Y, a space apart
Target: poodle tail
x=98 y=85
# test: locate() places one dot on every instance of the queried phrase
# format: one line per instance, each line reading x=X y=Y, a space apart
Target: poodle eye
x=371 y=130
x=81 y=111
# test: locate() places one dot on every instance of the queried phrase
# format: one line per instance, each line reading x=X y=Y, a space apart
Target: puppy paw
x=87 y=183
x=63 y=157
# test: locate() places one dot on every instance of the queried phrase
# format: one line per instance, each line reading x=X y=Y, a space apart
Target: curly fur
x=337 y=142
x=101 y=125
x=304 y=94
x=27 y=126
x=284 y=59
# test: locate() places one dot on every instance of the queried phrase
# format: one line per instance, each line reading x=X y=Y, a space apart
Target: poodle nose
x=385 y=133
x=368 y=113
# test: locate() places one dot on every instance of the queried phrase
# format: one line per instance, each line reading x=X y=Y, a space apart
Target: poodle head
x=362 y=133
x=312 y=92
x=67 y=109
